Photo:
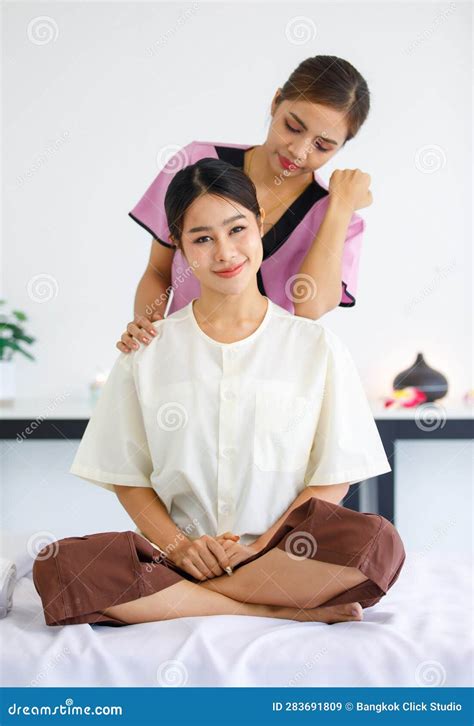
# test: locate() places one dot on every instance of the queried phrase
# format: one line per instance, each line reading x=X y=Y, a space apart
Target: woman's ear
x=177 y=246
x=276 y=100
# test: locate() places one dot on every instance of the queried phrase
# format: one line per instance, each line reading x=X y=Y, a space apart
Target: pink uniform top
x=284 y=245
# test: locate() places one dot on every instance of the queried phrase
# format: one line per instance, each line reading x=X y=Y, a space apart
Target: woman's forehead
x=210 y=209
x=319 y=119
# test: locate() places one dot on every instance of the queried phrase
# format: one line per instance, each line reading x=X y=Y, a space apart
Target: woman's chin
x=231 y=287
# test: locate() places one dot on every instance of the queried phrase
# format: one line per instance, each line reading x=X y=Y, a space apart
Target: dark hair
x=207 y=176
x=332 y=81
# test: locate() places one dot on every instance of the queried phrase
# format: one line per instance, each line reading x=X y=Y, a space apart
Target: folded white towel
x=7 y=585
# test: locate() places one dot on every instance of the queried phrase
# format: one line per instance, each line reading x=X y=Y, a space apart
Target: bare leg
x=277 y=579
x=187 y=599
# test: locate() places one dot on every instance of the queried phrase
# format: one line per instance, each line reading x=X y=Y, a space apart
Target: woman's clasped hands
x=207 y=557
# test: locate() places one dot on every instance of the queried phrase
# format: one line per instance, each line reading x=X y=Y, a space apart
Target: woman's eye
x=297 y=131
x=201 y=240
x=290 y=128
x=321 y=148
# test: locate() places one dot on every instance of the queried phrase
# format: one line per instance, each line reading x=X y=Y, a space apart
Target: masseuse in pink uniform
x=312 y=235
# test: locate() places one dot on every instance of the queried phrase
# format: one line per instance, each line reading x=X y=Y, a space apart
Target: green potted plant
x=12 y=340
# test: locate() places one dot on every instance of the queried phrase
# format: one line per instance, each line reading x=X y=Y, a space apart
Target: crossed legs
x=275 y=578
x=274 y=585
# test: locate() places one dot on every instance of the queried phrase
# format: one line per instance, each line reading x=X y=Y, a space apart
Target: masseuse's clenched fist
x=351 y=187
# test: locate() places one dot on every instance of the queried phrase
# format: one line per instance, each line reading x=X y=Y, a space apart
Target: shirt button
x=229 y=395
x=228 y=452
x=224 y=508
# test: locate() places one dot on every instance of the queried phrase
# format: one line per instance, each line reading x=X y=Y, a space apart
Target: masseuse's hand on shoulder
x=350 y=187
x=139 y=330
x=155 y=285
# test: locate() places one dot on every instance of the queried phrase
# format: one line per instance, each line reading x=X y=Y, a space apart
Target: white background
x=90 y=117
x=124 y=81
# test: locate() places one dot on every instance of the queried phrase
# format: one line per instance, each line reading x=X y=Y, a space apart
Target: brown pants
x=76 y=577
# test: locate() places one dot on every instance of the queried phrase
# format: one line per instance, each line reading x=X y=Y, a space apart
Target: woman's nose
x=224 y=249
x=298 y=152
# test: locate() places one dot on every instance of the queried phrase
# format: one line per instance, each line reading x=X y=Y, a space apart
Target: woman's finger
x=191 y=569
x=128 y=341
x=220 y=553
x=229 y=548
x=209 y=558
x=122 y=347
x=138 y=333
x=198 y=561
x=146 y=326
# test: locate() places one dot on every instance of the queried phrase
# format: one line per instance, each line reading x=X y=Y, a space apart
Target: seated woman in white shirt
x=231 y=441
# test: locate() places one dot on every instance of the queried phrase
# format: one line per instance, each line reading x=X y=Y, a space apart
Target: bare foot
x=330 y=614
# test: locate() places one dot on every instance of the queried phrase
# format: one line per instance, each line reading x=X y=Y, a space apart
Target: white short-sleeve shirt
x=228 y=434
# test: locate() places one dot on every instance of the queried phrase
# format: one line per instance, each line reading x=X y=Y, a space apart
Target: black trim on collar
x=173 y=247
x=279 y=233
x=352 y=298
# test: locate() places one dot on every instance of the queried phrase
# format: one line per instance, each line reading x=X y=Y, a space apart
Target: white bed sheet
x=420 y=634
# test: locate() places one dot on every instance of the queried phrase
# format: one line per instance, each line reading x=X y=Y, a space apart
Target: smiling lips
x=286 y=163
x=231 y=271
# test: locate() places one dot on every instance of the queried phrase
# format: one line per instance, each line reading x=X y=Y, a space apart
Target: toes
x=356 y=610
x=350 y=611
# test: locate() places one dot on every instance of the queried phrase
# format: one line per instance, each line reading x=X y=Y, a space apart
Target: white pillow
x=7 y=585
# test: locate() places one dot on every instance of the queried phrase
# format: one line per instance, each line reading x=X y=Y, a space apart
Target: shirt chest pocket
x=285 y=423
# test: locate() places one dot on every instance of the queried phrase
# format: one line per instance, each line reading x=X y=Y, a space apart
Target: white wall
x=88 y=114
x=433 y=496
